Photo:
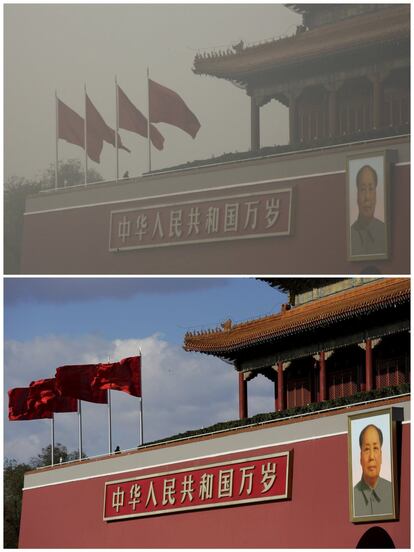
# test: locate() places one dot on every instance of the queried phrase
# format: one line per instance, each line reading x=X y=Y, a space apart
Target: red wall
x=70 y=515
x=76 y=241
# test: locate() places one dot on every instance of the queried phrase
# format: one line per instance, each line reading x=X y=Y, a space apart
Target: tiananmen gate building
x=329 y=466
x=289 y=209
x=337 y=355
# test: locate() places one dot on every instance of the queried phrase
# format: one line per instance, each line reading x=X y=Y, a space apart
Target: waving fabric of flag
x=23 y=408
x=130 y=118
x=44 y=394
x=39 y=400
x=124 y=375
x=71 y=126
x=97 y=131
x=166 y=106
x=76 y=381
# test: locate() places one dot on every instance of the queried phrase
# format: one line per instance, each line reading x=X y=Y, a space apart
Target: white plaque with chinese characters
x=217 y=218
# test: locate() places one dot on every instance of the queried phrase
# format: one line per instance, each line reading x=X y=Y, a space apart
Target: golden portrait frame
x=379 y=502
x=367 y=220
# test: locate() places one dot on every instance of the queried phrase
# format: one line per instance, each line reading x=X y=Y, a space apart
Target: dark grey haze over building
x=66 y=46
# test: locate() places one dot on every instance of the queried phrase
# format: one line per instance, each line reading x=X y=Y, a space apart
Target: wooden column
x=280 y=387
x=276 y=397
x=322 y=376
x=376 y=101
x=242 y=396
x=368 y=365
x=332 y=113
x=293 y=130
x=254 y=124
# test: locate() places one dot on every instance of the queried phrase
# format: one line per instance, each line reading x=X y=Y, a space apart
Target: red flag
x=97 y=131
x=124 y=375
x=71 y=126
x=44 y=394
x=166 y=106
x=19 y=406
x=76 y=381
x=65 y=404
x=130 y=118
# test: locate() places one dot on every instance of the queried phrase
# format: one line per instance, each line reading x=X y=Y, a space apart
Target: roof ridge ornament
x=238 y=47
x=227 y=325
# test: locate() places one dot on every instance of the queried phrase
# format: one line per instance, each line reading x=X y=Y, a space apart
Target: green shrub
x=361 y=396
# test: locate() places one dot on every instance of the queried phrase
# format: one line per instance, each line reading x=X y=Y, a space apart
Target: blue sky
x=127 y=307
x=54 y=321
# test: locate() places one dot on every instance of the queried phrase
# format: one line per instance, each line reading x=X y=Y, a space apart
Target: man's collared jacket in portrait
x=373 y=501
x=367 y=236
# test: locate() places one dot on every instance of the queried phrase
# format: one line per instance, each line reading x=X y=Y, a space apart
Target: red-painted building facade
x=64 y=506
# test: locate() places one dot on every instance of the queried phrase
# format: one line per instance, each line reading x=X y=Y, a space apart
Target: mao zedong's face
x=371 y=456
x=367 y=193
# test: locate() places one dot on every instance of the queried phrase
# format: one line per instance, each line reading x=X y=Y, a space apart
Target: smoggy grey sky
x=52 y=47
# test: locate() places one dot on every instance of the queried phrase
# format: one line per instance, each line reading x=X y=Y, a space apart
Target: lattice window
x=341 y=383
x=389 y=372
x=312 y=115
x=354 y=117
x=396 y=109
x=298 y=392
x=354 y=107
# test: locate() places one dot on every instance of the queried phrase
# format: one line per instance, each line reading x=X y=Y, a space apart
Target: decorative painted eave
x=382 y=26
x=320 y=313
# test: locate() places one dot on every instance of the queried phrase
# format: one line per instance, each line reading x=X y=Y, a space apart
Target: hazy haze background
x=60 y=47
x=50 y=322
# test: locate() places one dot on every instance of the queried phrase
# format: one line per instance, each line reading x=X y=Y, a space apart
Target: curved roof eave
x=389 y=24
x=315 y=315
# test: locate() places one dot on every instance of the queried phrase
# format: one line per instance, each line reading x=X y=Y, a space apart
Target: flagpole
x=56 y=140
x=52 y=448
x=148 y=123
x=86 y=140
x=141 y=418
x=80 y=428
x=109 y=418
x=141 y=424
x=117 y=130
x=109 y=422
